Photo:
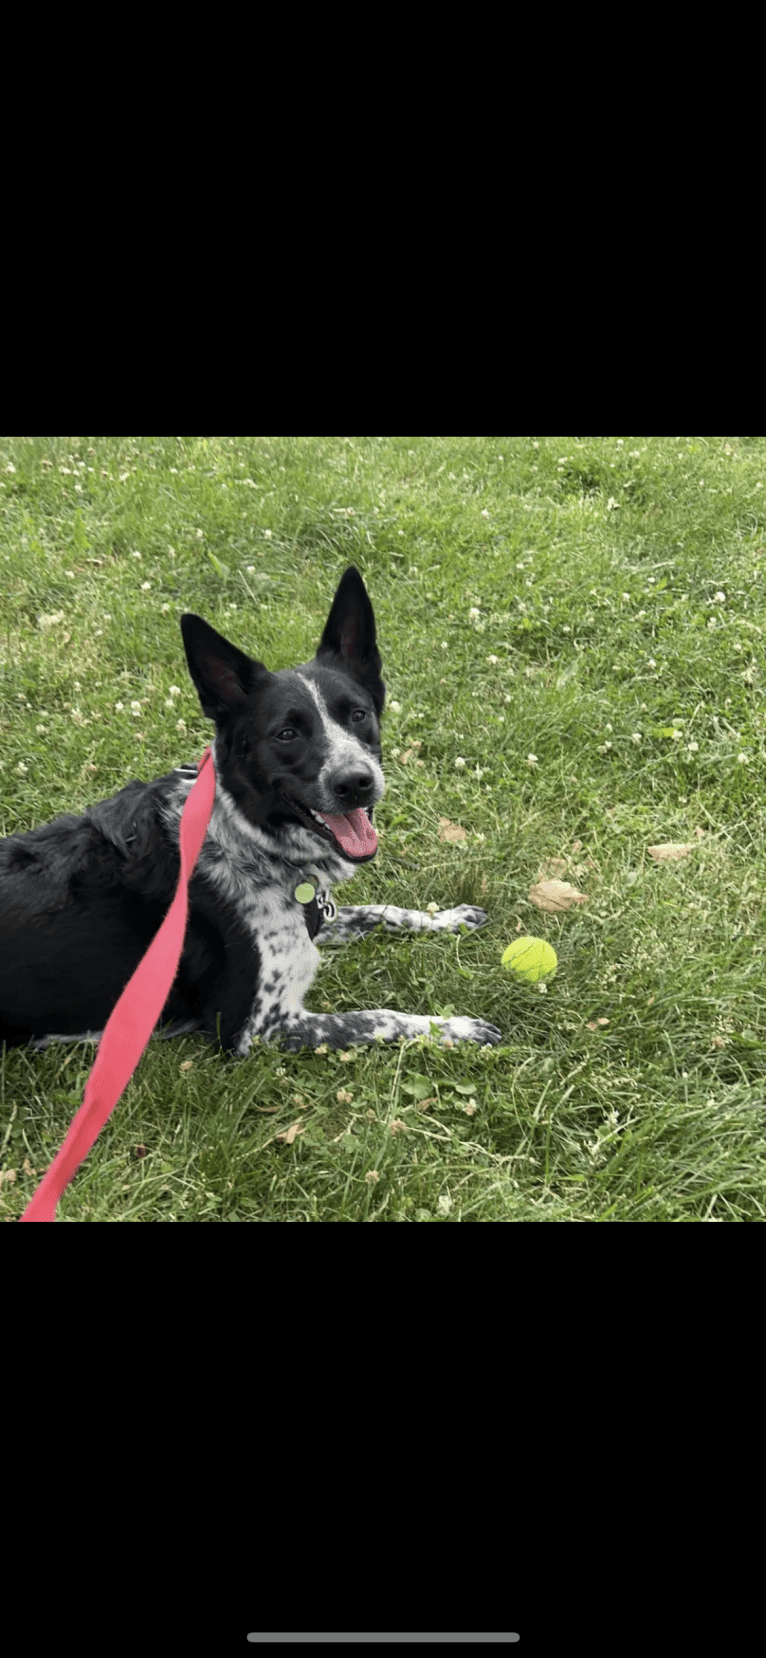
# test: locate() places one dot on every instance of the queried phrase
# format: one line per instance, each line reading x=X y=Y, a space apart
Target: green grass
x=579 y=621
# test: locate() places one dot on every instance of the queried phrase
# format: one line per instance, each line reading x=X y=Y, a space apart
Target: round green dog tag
x=305 y=892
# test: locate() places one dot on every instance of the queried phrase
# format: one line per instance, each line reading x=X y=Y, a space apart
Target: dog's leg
x=357 y=920
x=40 y=1043
x=346 y=1030
x=179 y=1027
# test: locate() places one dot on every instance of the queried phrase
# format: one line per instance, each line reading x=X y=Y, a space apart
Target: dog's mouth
x=350 y=833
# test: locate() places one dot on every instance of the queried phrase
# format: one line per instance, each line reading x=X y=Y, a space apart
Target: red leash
x=134 y=1016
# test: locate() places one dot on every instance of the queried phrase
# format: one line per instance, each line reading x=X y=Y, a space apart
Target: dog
x=298 y=775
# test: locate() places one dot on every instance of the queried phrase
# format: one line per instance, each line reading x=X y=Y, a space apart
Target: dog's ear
x=222 y=674
x=350 y=635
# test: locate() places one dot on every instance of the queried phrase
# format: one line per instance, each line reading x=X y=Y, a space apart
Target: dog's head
x=299 y=750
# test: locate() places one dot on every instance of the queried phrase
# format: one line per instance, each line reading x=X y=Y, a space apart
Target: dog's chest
x=287 y=958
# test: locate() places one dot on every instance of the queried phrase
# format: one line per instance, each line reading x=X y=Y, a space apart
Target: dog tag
x=305 y=892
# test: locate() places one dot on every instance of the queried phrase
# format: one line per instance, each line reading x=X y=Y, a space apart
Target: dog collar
x=318 y=906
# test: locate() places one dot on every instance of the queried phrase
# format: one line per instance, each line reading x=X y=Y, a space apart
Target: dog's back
x=80 y=901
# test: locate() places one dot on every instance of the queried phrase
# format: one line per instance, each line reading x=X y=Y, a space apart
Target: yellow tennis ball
x=530 y=959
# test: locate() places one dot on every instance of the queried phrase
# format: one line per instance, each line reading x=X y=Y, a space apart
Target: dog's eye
x=287 y=735
x=359 y=714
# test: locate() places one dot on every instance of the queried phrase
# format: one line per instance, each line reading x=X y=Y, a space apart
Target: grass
x=572 y=638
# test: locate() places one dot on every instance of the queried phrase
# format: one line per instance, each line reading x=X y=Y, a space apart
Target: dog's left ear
x=222 y=674
x=350 y=634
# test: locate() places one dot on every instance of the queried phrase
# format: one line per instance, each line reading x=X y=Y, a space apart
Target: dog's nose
x=352 y=788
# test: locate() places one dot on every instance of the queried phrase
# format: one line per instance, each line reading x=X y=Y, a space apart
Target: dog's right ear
x=222 y=674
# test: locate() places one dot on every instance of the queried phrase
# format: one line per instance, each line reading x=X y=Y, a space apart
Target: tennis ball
x=530 y=959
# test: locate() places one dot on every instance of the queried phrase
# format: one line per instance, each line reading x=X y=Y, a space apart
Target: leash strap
x=133 y=1018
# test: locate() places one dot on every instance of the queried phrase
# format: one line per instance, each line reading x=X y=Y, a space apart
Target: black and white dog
x=297 y=759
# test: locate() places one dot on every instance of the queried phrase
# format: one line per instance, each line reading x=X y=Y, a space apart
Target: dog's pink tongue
x=354 y=831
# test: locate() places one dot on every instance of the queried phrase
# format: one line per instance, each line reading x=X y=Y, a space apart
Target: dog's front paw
x=461 y=1029
x=464 y=915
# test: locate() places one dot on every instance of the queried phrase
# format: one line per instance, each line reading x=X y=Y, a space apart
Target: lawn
x=572 y=641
